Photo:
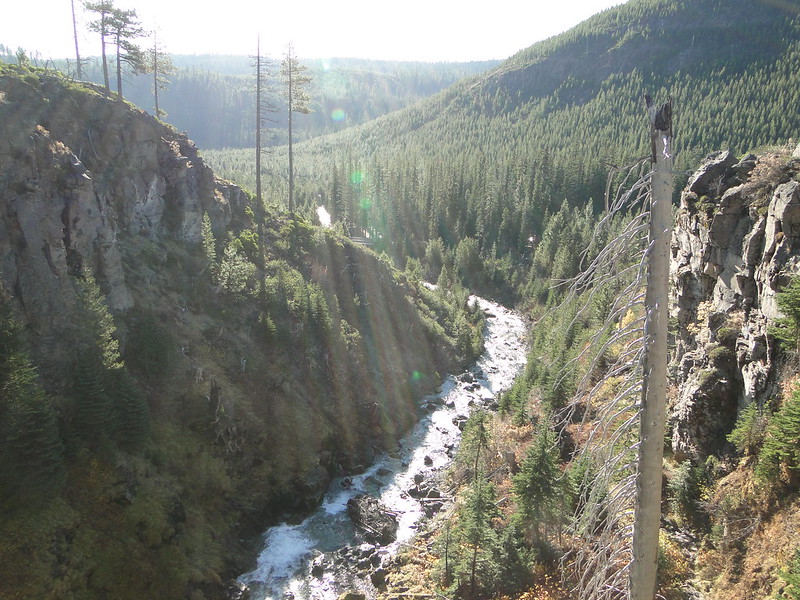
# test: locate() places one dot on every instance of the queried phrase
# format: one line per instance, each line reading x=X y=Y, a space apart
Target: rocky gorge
x=264 y=355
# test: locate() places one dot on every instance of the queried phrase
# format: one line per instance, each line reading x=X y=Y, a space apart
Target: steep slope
x=728 y=530
x=188 y=381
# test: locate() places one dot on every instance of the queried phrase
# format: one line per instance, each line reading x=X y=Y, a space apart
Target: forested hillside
x=179 y=367
x=484 y=162
x=213 y=96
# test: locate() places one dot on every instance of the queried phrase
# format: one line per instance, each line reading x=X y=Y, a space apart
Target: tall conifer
x=295 y=81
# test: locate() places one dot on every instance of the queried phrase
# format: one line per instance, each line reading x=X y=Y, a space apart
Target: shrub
x=722 y=357
x=727 y=336
x=150 y=348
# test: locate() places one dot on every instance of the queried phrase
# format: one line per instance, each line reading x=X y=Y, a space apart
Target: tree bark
x=105 y=59
x=75 y=34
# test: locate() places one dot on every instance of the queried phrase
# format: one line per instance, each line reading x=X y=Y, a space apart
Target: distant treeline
x=212 y=97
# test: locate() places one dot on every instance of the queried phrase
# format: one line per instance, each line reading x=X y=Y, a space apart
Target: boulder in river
x=379 y=525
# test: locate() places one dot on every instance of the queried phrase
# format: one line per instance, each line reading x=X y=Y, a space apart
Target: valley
x=212 y=340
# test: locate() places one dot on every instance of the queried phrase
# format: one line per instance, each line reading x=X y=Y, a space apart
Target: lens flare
x=366 y=203
x=338 y=114
x=356 y=177
x=416 y=377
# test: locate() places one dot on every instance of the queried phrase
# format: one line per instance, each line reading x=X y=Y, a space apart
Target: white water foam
x=283 y=565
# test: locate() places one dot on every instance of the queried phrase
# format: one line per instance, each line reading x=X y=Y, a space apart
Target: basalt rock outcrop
x=735 y=244
x=80 y=175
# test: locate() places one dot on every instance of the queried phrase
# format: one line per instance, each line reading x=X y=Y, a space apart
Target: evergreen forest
x=439 y=181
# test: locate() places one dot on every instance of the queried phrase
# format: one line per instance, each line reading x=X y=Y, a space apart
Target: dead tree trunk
x=653 y=418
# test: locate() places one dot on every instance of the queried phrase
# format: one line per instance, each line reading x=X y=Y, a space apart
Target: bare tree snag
x=647 y=512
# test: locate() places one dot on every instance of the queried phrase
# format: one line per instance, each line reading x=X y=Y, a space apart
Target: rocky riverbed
x=347 y=543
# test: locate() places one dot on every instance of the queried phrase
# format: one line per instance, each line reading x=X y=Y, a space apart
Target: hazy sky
x=431 y=30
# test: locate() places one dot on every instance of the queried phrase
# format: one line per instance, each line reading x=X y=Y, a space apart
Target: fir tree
x=130 y=408
x=537 y=486
x=477 y=566
x=787 y=328
x=791 y=574
x=98 y=324
x=31 y=450
x=782 y=443
x=94 y=415
x=748 y=433
x=475 y=442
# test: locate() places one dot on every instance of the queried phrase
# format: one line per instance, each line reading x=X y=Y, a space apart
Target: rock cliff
x=736 y=242
x=80 y=175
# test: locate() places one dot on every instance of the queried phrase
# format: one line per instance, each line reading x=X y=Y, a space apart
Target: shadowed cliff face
x=257 y=393
x=80 y=174
x=736 y=243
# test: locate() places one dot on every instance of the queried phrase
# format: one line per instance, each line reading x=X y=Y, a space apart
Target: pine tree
x=295 y=81
x=124 y=28
x=102 y=26
x=160 y=65
x=78 y=61
x=264 y=108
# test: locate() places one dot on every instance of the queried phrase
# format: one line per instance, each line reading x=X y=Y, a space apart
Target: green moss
x=707 y=377
x=727 y=336
x=722 y=357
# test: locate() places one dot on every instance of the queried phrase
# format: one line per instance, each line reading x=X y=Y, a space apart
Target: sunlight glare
x=324 y=216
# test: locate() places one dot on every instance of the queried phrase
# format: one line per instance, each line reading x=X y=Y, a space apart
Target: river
x=324 y=556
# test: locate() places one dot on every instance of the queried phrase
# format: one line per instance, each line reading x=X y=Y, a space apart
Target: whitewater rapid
x=286 y=565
